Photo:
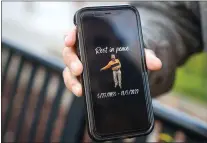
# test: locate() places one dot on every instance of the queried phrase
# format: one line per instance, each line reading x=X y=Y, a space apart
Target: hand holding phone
x=124 y=97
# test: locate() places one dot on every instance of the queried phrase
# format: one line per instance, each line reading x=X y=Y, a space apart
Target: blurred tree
x=191 y=79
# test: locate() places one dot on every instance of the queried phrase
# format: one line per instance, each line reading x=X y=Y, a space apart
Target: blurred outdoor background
x=39 y=28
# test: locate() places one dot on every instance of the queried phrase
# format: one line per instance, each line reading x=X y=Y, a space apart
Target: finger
x=72 y=61
x=153 y=63
x=70 y=38
x=72 y=82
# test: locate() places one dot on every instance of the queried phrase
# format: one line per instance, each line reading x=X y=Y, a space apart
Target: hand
x=116 y=68
x=74 y=66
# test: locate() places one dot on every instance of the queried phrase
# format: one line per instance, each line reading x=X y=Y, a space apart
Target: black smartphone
x=115 y=80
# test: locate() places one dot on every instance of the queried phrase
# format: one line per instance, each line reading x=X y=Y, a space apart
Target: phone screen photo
x=114 y=66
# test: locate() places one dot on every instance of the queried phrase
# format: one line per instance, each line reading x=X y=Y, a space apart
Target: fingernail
x=67 y=39
x=76 y=90
x=152 y=56
x=73 y=28
x=73 y=67
x=152 y=52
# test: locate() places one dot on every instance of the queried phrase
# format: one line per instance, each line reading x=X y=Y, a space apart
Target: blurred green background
x=191 y=78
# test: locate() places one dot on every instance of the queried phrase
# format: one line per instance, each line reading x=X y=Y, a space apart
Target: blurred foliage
x=191 y=79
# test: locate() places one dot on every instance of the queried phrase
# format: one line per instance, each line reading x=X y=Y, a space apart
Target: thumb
x=153 y=63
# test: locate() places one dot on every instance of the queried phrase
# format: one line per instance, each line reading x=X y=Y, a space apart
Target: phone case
x=84 y=76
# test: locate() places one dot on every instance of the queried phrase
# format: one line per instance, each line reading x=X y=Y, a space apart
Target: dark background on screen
x=120 y=113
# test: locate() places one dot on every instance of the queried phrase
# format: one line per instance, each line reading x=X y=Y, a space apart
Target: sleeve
x=173 y=32
x=107 y=66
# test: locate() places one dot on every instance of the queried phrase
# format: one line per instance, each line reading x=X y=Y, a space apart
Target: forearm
x=173 y=38
x=175 y=29
x=105 y=67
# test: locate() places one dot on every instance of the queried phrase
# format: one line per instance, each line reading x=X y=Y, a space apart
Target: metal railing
x=73 y=129
x=74 y=126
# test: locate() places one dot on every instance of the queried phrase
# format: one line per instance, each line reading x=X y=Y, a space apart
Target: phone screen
x=113 y=58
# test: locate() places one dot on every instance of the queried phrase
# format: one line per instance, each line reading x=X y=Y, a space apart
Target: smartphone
x=115 y=78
